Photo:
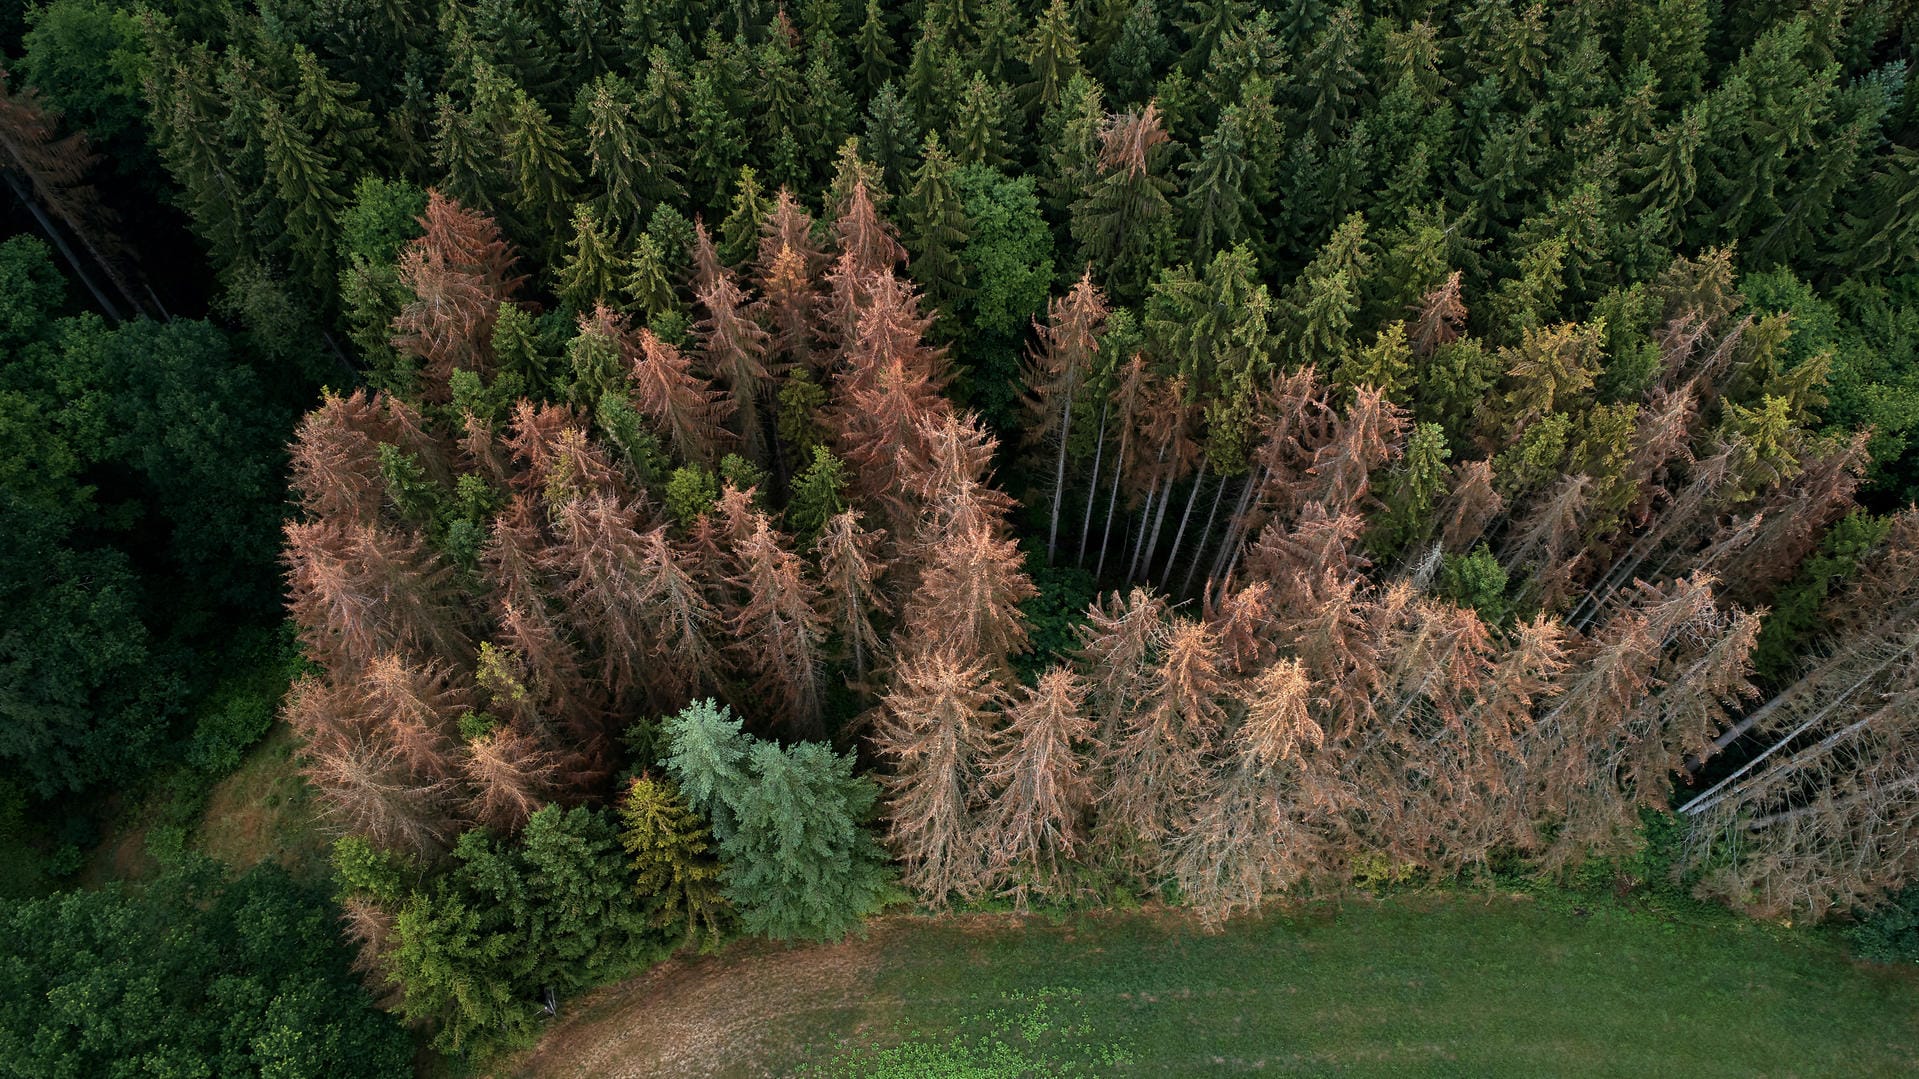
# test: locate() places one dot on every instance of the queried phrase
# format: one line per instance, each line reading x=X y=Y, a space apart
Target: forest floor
x=263 y=810
x=1429 y=984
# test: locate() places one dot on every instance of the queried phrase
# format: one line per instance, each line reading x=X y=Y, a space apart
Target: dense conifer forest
x=709 y=469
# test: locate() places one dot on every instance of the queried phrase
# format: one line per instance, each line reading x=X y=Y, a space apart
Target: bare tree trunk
x=1106 y=536
x=1670 y=523
x=1132 y=565
x=1227 y=576
x=1199 y=552
x=1595 y=598
x=1235 y=526
x=1059 y=472
x=1159 y=518
x=1706 y=800
x=1179 y=535
x=1702 y=803
x=1897 y=787
x=1139 y=540
x=1119 y=475
x=1092 y=488
x=66 y=252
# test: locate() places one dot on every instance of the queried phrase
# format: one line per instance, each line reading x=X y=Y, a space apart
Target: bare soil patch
x=717 y=1015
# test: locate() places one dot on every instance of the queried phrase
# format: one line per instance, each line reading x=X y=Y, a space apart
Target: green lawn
x=1411 y=986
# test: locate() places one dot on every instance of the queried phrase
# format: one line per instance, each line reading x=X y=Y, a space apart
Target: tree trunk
x=1199 y=552
x=1702 y=803
x=66 y=252
x=1139 y=539
x=1896 y=787
x=1092 y=488
x=1059 y=472
x=1227 y=576
x=1236 y=525
x=1145 y=511
x=1112 y=504
x=1179 y=535
x=157 y=305
x=1705 y=799
x=1159 y=518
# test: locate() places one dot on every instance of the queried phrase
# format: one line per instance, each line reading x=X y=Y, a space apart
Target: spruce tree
x=778 y=89
x=1032 y=828
x=875 y=50
x=329 y=110
x=932 y=733
x=644 y=281
x=890 y=136
x=1069 y=159
x=932 y=80
x=587 y=277
x=1124 y=223
x=464 y=151
x=978 y=132
x=936 y=229
x=581 y=926
x=671 y=855
x=997 y=48
x=188 y=120
x=740 y=232
x=797 y=861
x=850 y=571
x=800 y=865
x=633 y=171
x=1207 y=22
x=1133 y=65
x=1248 y=837
x=1052 y=58
x=779 y=635
x=537 y=157
x=664 y=99
x=1329 y=77
x=718 y=137
x=308 y=189
x=1058 y=369
x=829 y=119
x=1217 y=206
x=1157 y=765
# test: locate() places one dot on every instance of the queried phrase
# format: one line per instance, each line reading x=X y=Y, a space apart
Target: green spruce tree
x=936 y=229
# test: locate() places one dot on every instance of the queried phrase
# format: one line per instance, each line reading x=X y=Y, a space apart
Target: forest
x=686 y=470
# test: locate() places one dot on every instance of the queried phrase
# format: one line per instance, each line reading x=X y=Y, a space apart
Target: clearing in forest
x=1408 y=986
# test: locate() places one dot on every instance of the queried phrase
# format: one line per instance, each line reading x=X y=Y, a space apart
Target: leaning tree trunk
x=1145 y=512
x=1706 y=799
x=1199 y=552
x=1179 y=535
x=1159 y=518
x=1059 y=470
x=66 y=252
x=1235 y=528
x=1112 y=504
x=1139 y=539
x=1092 y=488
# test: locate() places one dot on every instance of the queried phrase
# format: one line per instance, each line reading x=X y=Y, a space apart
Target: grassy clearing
x=1416 y=985
x=264 y=811
x=261 y=811
x=233 y=792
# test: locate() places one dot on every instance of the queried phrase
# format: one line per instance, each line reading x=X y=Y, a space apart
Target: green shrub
x=1891 y=933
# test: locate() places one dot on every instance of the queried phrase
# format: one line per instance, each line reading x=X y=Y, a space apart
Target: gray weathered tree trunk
x=1092 y=488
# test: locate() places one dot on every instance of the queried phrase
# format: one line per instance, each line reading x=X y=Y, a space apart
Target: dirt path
x=711 y=1015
